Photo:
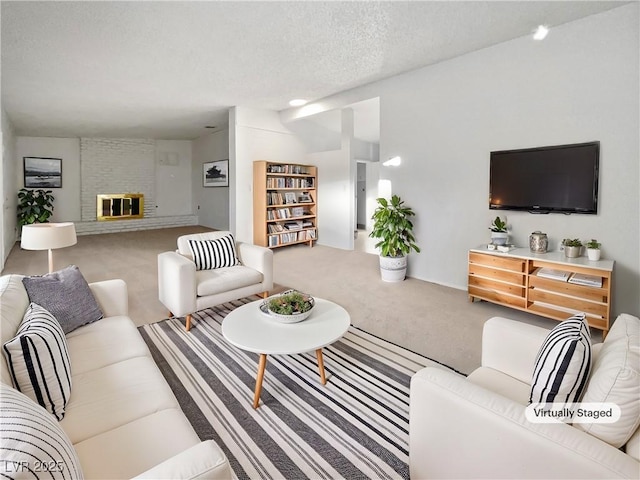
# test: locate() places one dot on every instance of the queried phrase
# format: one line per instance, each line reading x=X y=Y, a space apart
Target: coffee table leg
x=261 y=366
x=321 y=366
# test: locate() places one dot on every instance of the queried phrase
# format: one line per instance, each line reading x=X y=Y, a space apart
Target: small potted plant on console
x=572 y=247
x=593 y=249
x=499 y=235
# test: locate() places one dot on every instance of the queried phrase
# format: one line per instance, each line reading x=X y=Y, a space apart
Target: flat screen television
x=560 y=178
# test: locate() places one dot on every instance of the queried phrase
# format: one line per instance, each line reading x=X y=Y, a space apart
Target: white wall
x=335 y=222
x=8 y=189
x=373 y=175
x=66 y=205
x=115 y=166
x=257 y=135
x=173 y=178
x=580 y=84
x=211 y=204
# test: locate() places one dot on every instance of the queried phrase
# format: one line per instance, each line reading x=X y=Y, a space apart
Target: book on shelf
x=305 y=198
x=553 y=274
x=297 y=211
x=586 y=280
x=293 y=225
x=274 y=198
x=287 y=168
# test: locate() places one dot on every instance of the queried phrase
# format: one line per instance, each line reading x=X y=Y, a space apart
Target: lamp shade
x=48 y=236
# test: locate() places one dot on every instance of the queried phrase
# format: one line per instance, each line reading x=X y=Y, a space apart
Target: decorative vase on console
x=538 y=242
x=572 y=247
x=499 y=235
x=593 y=250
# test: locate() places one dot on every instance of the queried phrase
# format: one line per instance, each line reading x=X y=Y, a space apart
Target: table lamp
x=47 y=236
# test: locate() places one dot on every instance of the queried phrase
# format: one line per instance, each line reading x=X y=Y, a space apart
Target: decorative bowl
x=296 y=316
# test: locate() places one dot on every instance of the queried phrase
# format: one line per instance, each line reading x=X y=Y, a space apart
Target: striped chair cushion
x=38 y=360
x=33 y=444
x=561 y=370
x=218 y=253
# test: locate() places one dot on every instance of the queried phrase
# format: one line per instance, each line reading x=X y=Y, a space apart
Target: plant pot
x=572 y=252
x=593 y=254
x=499 y=238
x=393 y=269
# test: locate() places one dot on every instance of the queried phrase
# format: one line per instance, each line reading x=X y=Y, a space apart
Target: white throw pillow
x=33 y=444
x=38 y=360
x=210 y=254
x=563 y=363
x=616 y=379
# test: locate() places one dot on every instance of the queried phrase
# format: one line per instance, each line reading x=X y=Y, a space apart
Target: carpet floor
x=355 y=427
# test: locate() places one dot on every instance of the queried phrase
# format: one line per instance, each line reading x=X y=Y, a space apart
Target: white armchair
x=184 y=290
x=475 y=426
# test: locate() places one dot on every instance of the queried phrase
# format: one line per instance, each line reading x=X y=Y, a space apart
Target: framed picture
x=290 y=197
x=215 y=174
x=42 y=172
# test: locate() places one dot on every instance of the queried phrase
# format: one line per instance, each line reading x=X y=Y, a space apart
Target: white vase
x=593 y=254
x=499 y=238
x=393 y=269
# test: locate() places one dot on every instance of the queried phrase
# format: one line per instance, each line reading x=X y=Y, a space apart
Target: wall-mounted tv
x=560 y=178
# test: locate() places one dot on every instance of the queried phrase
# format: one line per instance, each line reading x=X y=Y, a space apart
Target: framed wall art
x=215 y=174
x=42 y=172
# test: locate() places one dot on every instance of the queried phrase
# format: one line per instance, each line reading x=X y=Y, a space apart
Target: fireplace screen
x=121 y=206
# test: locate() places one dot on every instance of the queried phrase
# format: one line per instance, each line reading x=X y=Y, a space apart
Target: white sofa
x=184 y=290
x=475 y=426
x=122 y=417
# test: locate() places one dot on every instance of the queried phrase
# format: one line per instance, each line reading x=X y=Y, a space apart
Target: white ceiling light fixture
x=297 y=102
x=393 y=162
x=541 y=32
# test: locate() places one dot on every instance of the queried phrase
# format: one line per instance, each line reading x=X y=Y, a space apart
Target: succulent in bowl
x=290 y=303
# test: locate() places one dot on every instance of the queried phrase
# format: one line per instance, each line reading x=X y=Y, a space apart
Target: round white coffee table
x=249 y=329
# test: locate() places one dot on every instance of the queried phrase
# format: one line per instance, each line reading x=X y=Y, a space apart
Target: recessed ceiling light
x=297 y=102
x=540 y=32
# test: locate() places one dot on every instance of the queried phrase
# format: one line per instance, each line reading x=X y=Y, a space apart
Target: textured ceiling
x=167 y=69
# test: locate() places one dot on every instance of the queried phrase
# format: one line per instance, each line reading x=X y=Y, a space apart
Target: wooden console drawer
x=496 y=273
x=513 y=264
x=489 y=284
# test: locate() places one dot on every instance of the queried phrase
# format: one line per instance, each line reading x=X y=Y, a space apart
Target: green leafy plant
x=34 y=206
x=498 y=225
x=290 y=303
x=572 y=242
x=393 y=227
x=593 y=243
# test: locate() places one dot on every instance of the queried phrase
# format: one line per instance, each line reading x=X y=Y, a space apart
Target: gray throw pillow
x=66 y=295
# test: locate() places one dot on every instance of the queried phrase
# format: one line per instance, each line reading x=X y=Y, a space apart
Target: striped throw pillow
x=218 y=253
x=561 y=370
x=38 y=360
x=33 y=444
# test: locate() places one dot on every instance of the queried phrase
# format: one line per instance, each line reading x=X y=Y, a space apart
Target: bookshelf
x=549 y=285
x=284 y=204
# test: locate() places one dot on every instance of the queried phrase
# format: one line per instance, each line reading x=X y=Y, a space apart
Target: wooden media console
x=549 y=284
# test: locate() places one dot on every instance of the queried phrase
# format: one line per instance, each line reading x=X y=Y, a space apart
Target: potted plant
x=593 y=249
x=499 y=235
x=392 y=226
x=34 y=206
x=572 y=247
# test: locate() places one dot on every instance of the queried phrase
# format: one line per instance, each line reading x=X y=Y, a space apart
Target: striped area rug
x=354 y=427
